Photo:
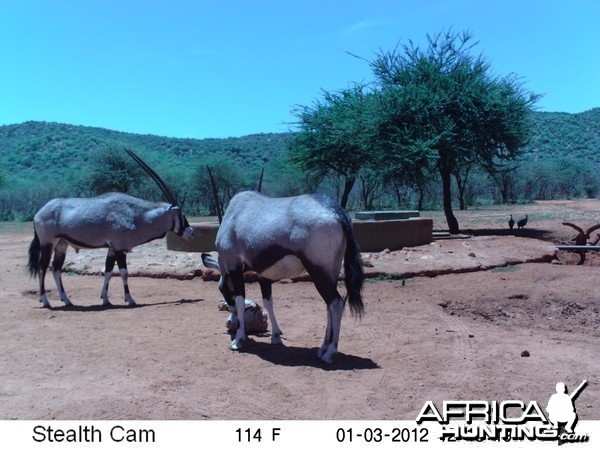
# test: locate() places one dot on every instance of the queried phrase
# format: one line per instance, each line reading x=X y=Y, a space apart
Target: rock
x=255 y=319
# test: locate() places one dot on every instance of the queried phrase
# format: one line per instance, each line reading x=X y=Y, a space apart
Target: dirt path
x=453 y=336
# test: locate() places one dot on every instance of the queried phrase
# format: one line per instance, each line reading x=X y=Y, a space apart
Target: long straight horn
x=259 y=187
x=157 y=179
x=215 y=195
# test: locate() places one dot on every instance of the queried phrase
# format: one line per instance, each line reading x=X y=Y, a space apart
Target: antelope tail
x=353 y=270
x=33 y=266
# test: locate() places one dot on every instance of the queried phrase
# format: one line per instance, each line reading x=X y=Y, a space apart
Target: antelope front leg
x=276 y=331
x=108 y=268
x=104 y=294
x=60 y=253
x=240 y=335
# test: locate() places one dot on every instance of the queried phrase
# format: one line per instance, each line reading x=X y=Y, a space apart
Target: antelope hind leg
x=332 y=334
x=122 y=263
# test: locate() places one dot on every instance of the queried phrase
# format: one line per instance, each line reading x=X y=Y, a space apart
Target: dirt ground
x=493 y=315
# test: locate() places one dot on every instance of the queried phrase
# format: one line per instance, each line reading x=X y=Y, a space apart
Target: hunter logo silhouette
x=561 y=407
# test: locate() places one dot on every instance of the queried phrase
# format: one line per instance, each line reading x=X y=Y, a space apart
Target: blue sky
x=229 y=68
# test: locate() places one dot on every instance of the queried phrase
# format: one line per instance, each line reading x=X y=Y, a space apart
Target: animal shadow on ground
x=96 y=308
x=286 y=355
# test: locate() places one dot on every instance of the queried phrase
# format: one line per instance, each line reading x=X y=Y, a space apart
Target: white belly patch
x=287 y=267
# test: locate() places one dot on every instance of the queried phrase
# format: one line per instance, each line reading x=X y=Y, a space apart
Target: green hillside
x=33 y=149
x=562 y=134
x=40 y=160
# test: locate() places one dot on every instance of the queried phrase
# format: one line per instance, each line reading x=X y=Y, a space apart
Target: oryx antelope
x=115 y=221
x=280 y=238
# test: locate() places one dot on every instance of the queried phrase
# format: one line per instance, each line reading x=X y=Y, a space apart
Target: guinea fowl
x=521 y=223
x=511 y=222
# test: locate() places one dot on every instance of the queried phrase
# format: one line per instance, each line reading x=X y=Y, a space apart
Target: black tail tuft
x=353 y=269
x=33 y=266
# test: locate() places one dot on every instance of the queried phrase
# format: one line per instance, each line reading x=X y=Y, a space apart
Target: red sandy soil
x=493 y=315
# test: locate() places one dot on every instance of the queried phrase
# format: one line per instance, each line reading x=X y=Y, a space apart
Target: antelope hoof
x=327 y=358
x=326 y=353
x=236 y=345
x=45 y=303
x=276 y=339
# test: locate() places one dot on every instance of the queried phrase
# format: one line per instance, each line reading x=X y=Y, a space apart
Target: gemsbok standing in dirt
x=281 y=238
x=115 y=221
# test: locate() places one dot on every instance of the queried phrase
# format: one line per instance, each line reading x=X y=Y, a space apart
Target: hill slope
x=33 y=148
x=562 y=134
x=40 y=160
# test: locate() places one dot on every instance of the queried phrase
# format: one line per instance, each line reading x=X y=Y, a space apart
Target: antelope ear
x=210 y=262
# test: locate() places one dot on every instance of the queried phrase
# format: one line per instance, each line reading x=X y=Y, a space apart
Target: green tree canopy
x=445 y=109
x=113 y=170
x=336 y=135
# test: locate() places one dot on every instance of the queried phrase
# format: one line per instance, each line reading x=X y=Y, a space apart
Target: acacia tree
x=336 y=135
x=229 y=178
x=461 y=176
x=404 y=149
x=113 y=170
x=444 y=108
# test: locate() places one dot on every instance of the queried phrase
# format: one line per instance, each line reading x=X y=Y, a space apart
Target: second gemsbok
x=115 y=221
x=280 y=238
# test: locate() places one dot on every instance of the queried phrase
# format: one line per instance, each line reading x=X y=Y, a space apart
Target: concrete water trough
x=205 y=234
x=375 y=234
x=386 y=215
x=379 y=235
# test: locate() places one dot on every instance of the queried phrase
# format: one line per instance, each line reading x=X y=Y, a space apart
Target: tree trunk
x=421 y=197
x=461 y=194
x=348 y=185
x=446 y=174
x=461 y=184
x=504 y=194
